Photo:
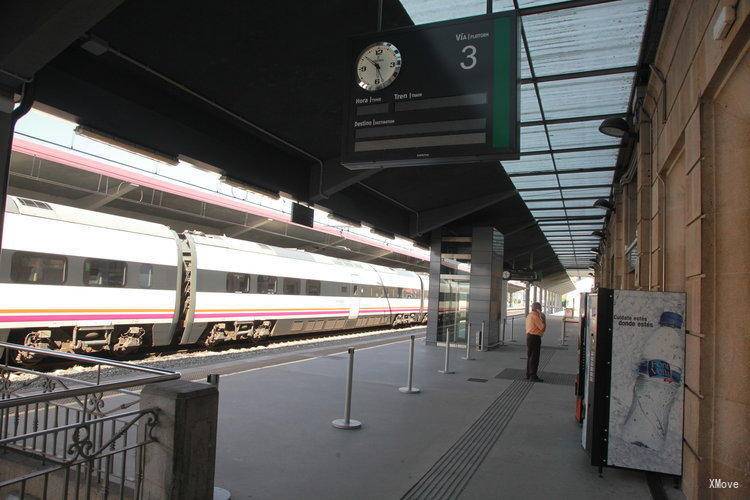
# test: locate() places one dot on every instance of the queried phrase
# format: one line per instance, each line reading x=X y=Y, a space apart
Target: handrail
x=155 y=375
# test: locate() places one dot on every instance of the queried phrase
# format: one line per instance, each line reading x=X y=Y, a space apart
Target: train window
x=44 y=269
x=377 y=292
x=312 y=287
x=359 y=291
x=100 y=272
x=344 y=289
x=267 y=284
x=238 y=283
x=292 y=286
x=145 y=275
x=409 y=293
x=392 y=292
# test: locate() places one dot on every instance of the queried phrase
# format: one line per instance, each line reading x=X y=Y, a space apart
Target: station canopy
x=254 y=88
x=578 y=67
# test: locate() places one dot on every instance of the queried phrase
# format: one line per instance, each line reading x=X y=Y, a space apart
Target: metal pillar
x=410 y=389
x=527 y=298
x=8 y=119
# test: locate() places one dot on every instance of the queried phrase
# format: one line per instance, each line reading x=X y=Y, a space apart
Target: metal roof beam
x=35 y=36
x=580 y=74
x=331 y=178
x=552 y=7
x=574 y=119
x=427 y=220
x=95 y=201
x=563 y=172
x=570 y=150
x=555 y=188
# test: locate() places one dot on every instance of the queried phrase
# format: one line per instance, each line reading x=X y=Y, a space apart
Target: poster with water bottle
x=647 y=381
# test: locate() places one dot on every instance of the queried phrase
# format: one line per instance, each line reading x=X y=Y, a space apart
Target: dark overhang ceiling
x=253 y=88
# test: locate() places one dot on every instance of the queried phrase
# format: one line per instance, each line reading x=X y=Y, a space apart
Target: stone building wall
x=692 y=217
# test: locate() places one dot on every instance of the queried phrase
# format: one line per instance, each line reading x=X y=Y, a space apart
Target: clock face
x=378 y=66
x=506 y=275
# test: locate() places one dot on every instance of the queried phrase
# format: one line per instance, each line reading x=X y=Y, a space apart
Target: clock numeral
x=378 y=51
x=392 y=65
x=377 y=82
x=363 y=68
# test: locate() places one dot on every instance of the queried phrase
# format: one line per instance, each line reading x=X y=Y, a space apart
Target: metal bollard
x=447 y=370
x=512 y=329
x=468 y=343
x=505 y=323
x=213 y=379
x=347 y=422
x=562 y=333
x=410 y=389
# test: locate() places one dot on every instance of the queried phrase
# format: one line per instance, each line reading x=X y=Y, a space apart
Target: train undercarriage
x=123 y=340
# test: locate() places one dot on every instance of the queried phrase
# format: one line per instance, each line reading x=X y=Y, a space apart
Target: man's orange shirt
x=535 y=325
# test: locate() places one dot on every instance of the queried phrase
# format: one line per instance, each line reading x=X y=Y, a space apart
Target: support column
x=527 y=298
x=181 y=463
x=433 y=313
x=6 y=140
x=486 y=287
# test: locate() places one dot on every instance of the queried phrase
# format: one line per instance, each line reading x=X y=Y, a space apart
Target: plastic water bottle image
x=657 y=385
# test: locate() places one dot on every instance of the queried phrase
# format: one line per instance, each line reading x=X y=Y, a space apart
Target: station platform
x=482 y=432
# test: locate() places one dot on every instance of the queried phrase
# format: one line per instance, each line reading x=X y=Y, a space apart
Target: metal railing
x=78 y=436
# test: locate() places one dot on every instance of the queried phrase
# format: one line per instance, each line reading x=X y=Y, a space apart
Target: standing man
x=536 y=324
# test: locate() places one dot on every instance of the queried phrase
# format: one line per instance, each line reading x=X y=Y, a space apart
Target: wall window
x=267 y=284
x=145 y=276
x=292 y=286
x=100 y=272
x=238 y=283
x=43 y=269
x=312 y=287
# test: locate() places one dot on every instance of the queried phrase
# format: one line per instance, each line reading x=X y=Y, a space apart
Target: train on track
x=88 y=282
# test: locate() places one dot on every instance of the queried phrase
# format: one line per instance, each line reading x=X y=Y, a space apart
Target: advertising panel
x=647 y=373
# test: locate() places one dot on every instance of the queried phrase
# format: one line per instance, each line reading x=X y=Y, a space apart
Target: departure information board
x=433 y=94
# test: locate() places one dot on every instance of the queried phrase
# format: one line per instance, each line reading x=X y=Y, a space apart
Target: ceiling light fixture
x=615 y=127
x=604 y=203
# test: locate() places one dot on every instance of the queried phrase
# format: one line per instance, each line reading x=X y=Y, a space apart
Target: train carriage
x=251 y=290
x=84 y=281
x=88 y=282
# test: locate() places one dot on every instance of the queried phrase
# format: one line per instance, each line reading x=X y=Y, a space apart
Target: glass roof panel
x=544 y=204
x=586 y=159
x=593 y=37
x=529 y=104
x=578 y=134
x=534 y=139
x=540 y=195
x=430 y=11
x=548 y=213
x=593 y=192
x=535 y=181
x=595 y=95
x=530 y=163
x=586 y=178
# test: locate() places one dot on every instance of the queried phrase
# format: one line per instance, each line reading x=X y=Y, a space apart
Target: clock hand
x=377 y=66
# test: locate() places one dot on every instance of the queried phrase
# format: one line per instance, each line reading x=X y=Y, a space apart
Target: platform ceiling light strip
x=584 y=57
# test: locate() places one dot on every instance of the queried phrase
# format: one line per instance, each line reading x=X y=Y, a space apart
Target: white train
x=88 y=282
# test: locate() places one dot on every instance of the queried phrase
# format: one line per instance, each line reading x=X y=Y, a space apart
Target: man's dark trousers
x=533 y=346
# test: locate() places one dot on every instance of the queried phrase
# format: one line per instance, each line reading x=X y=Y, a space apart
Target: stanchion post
x=505 y=323
x=347 y=422
x=213 y=379
x=446 y=370
x=468 y=343
x=513 y=328
x=410 y=389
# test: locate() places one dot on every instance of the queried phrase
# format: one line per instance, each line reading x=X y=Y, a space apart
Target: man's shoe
x=536 y=379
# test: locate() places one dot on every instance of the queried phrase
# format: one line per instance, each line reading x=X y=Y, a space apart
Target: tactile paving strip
x=553 y=378
x=452 y=472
